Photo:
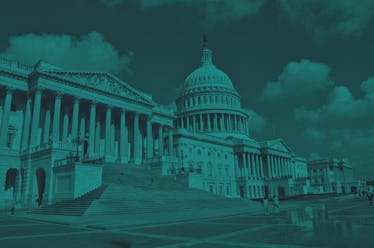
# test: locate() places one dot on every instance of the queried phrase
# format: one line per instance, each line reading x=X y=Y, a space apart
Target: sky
x=304 y=68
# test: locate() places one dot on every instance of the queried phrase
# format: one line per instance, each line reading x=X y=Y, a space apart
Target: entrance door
x=267 y=191
x=343 y=189
x=281 y=192
x=11 y=183
x=40 y=179
x=242 y=191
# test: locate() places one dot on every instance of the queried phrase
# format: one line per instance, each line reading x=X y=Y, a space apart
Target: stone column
x=5 y=119
x=258 y=166
x=26 y=123
x=137 y=143
x=171 y=143
x=215 y=122
x=201 y=122
x=261 y=166
x=222 y=127
x=254 y=165
x=250 y=174
x=235 y=123
x=238 y=172
x=277 y=167
x=270 y=172
x=74 y=124
x=187 y=122
x=208 y=121
x=35 y=117
x=182 y=122
x=194 y=122
x=65 y=128
x=98 y=151
x=91 y=137
x=273 y=166
x=245 y=165
x=124 y=158
x=56 y=118
x=160 y=141
x=47 y=125
x=149 y=138
x=108 y=132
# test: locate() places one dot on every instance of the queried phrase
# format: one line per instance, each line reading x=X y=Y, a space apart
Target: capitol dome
x=209 y=102
x=207 y=74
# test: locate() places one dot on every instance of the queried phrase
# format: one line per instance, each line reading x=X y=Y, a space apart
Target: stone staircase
x=131 y=190
x=76 y=207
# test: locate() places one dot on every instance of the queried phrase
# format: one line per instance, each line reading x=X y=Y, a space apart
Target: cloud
x=257 y=123
x=215 y=10
x=368 y=86
x=341 y=108
x=298 y=79
x=315 y=135
x=347 y=17
x=88 y=52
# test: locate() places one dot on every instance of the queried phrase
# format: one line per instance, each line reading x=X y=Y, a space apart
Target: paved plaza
x=340 y=222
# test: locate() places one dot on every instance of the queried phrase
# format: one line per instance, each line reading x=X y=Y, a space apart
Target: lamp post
x=182 y=156
x=77 y=141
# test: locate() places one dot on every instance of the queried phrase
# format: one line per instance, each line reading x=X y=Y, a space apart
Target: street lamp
x=77 y=141
x=182 y=156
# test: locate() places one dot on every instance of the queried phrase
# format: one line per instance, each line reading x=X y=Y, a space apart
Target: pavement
x=332 y=222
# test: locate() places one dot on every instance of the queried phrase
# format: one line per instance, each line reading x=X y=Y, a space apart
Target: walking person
x=266 y=204
x=276 y=203
x=370 y=195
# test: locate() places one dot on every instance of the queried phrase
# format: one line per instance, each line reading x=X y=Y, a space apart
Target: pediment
x=101 y=81
x=279 y=145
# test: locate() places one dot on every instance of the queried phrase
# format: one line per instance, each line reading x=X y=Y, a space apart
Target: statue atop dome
x=206 y=53
x=205 y=41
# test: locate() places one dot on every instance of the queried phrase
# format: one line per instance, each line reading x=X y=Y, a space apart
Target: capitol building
x=60 y=128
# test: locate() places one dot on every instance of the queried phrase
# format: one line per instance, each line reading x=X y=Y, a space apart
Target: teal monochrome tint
x=119 y=127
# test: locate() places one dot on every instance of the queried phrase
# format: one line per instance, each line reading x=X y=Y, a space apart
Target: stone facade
x=58 y=128
x=331 y=176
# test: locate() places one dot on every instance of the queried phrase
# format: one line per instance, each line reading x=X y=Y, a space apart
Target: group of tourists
x=274 y=202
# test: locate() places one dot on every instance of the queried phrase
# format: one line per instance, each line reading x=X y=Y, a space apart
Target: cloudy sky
x=304 y=68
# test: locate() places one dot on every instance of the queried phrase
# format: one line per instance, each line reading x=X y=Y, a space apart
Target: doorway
x=242 y=191
x=40 y=180
x=11 y=183
x=281 y=192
